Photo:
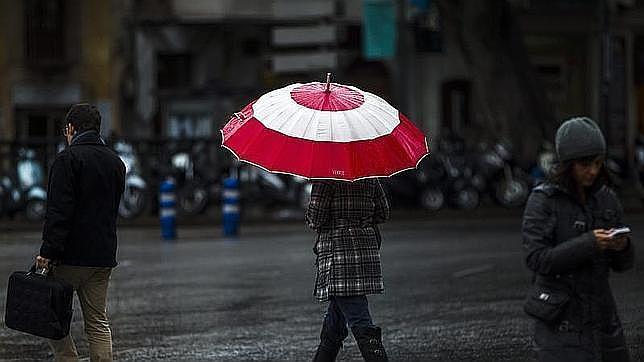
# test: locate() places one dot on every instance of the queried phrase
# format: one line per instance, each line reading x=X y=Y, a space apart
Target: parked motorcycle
x=273 y=190
x=407 y=189
x=134 y=199
x=417 y=188
x=460 y=182
x=459 y=179
x=639 y=153
x=24 y=191
x=192 y=189
x=543 y=168
x=618 y=173
x=3 y=200
x=639 y=164
x=499 y=176
x=445 y=177
x=430 y=174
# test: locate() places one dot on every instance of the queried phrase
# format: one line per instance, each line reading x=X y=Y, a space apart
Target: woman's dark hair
x=562 y=174
x=84 y=117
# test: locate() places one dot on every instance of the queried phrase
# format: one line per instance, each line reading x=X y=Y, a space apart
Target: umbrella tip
x=328 y=81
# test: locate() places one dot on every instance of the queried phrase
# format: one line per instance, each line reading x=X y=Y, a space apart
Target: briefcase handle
x=41 y=272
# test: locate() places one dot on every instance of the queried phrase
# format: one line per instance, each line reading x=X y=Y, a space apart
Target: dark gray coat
x=345 y=215
x=560 y=249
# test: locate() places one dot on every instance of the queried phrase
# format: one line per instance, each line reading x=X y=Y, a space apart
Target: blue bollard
x=167 y=212
x=230 y=206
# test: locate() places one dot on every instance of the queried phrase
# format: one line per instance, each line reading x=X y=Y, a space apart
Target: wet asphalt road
x=454 y=291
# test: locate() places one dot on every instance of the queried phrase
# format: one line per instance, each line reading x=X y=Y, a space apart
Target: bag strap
x=44 y=272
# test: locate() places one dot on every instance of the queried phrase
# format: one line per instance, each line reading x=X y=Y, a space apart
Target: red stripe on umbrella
x=337 y=98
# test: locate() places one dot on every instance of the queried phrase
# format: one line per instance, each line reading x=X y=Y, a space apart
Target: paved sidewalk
x=454 y=292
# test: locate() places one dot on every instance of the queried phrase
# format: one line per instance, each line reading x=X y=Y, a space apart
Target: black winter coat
x=560 y=249
x=86 y=182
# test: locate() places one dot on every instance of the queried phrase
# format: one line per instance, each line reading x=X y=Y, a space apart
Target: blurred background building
x=196 y=62
x=54 y=53
x=177 y=68
x=167 y=70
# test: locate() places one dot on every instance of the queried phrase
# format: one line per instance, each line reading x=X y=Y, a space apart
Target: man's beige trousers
x=90 y=284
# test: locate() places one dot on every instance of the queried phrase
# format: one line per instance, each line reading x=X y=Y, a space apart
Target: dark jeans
x=343 y=311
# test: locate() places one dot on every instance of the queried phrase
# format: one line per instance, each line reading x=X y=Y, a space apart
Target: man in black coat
x=86 y=182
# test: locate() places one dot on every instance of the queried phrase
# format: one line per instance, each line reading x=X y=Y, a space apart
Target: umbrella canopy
x=324 y=131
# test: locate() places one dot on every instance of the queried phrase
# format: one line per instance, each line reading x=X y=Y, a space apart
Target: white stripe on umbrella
x=278 y=110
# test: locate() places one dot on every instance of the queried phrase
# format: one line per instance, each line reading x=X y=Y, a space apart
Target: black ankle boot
x=326 y=354
x=370 y=343
x=329 y=346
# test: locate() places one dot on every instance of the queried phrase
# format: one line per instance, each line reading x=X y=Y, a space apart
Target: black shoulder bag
x=546 y=303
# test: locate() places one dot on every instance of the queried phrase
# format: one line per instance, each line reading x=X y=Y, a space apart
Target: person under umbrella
x=345 y=216
x=342 y=138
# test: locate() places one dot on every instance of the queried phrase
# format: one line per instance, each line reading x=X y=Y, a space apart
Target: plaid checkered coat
x=345 y=216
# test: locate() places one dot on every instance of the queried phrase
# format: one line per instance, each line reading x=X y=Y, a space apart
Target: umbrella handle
x=328 y=82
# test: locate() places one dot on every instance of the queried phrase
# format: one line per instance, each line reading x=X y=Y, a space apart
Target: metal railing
x=153 y=157
x=153 y=153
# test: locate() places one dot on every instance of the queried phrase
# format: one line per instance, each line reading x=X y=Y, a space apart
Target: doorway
x=456 y=106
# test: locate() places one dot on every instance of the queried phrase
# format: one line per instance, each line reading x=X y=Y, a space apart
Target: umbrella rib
x=331 y=128
x=408 y=150
x=248 y=144
x=313 y=155
x=308 y=124
x=276 y=155
x=403 y=147
x=279 y=116
x=374 y=117
x=364 y=117
x=382 y=108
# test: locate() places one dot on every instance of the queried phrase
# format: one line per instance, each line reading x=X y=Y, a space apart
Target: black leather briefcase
x=39 y=304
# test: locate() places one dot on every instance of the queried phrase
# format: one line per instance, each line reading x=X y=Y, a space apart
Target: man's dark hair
x=84 y=117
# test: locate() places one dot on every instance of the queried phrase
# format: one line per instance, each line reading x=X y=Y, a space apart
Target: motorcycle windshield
x=29 y=174
x=181 y=161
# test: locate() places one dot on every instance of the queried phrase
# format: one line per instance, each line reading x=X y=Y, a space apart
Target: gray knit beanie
x=578 y=138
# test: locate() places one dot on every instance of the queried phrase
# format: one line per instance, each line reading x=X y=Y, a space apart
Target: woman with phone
x=570 y=245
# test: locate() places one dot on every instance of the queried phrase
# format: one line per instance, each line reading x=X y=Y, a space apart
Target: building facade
x=587 y=56
x=178 y=69
x=197 y=62
x=54 y=53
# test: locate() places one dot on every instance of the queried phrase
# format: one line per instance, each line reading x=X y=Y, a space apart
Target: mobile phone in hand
x=619 y=232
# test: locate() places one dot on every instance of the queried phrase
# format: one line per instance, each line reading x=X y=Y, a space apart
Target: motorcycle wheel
x=132 y=203
x=511 y=193
x=432 y=199
x=35 y=210
x=467 y=199
x=192 y=199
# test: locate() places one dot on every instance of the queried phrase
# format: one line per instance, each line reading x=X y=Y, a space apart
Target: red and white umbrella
x=324 y=131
